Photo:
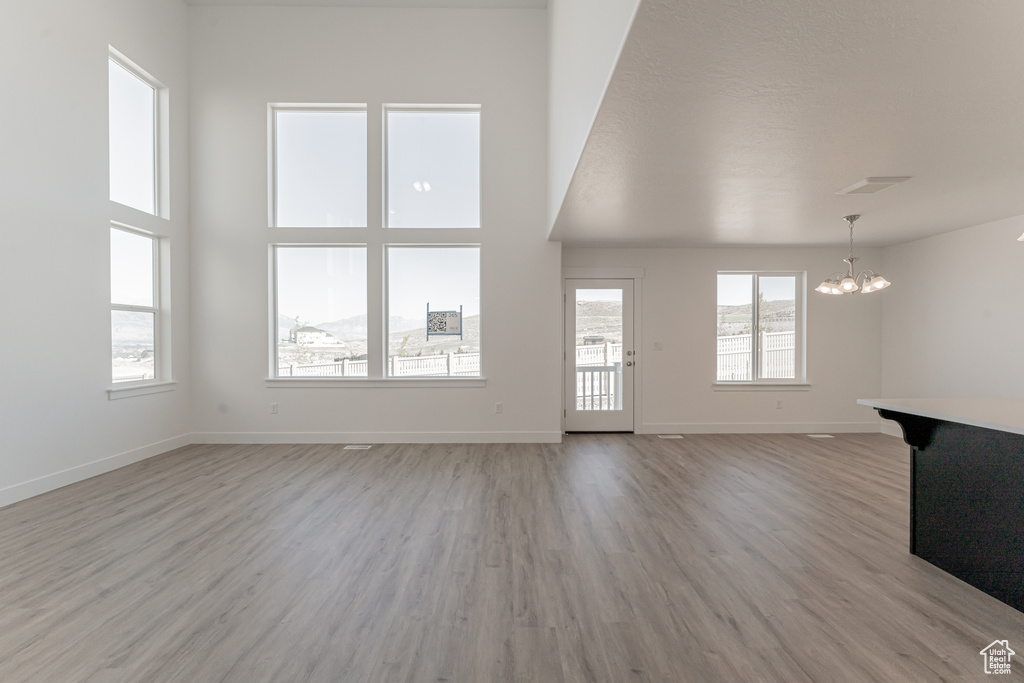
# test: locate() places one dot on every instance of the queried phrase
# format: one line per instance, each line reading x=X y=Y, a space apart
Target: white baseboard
x=375 y=437
x=49 y=482
x=760 y=427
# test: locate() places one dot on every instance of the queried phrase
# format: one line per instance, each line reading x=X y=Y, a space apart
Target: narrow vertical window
x=776 y=326
x=433 y=295
x=735 y=327
x=319 y=168
x=134 y=302
x=321 y=311
x=133 y=138
x=433 y=168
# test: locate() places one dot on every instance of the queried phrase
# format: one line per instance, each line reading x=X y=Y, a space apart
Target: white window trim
x=161 y=136
x=272 y=109
x=376 y=238
x=127 y=390
x=763 y=385
x=363 y=382
x=161 y=331
x=799 y=383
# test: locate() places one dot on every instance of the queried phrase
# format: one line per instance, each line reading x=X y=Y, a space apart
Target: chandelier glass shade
x=847 y=283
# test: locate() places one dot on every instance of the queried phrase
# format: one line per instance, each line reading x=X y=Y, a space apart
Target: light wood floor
x=606 y=558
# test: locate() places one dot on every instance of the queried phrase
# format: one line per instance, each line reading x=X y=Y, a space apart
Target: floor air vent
x=821 y=436
x=357 y=448
x=670 y=436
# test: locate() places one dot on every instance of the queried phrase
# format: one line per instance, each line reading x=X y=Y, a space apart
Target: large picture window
x=134 y=305
x=760 y=327
x=399 y=304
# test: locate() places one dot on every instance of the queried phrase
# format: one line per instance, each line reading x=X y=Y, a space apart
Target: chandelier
x=848 y=283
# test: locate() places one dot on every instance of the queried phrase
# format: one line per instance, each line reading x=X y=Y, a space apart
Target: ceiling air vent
x=872 y=185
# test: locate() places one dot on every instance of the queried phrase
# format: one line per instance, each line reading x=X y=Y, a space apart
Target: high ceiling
x=735 y=122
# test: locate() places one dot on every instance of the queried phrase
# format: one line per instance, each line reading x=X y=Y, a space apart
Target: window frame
x=272 y=109
x=376 y=238
x=161 y=135
x=156 y=309
x=799 y=381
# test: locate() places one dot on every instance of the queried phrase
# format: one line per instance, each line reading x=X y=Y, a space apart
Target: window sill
x=394 y=383
x=114 y=393
x=761 y=386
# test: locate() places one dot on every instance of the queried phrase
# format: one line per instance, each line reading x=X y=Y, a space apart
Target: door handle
x=629 y=363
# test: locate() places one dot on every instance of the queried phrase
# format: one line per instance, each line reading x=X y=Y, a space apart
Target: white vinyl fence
x=444 y=365
x=778 y=353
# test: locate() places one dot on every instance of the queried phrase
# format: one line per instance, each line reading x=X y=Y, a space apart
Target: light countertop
x=1000 y=414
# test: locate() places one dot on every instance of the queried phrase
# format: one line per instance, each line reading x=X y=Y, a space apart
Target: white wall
x=585 y=39
x=679 y=310
x=243 y=58
x=56 y=422
x=953 y=319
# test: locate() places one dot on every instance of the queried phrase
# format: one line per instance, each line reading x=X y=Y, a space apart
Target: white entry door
x=599 y=357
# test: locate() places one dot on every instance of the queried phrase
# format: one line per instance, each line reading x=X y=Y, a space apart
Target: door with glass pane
x=599 y=357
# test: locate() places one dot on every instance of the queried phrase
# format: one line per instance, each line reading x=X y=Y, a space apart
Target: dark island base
x=967 y=502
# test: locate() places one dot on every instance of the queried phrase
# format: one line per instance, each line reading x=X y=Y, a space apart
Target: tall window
x=422 y=319
x=133 y=137
x=760 y=327
x=319 y=168
x=134 y=303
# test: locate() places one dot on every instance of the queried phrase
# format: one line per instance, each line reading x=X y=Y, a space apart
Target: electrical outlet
x=778 y=404
x=498 y=408
x=273 y=409
x=658 y=346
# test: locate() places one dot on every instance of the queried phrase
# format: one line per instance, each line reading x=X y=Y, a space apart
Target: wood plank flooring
x=613 y=558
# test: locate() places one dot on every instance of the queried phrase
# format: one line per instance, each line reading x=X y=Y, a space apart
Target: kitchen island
x=966 y=488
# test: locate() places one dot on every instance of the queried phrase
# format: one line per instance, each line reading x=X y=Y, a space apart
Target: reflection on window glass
x=320 y=173
x=321 y=311
x=132 y=112
x=433 y=169
x=447 y=279
x=133 y=349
